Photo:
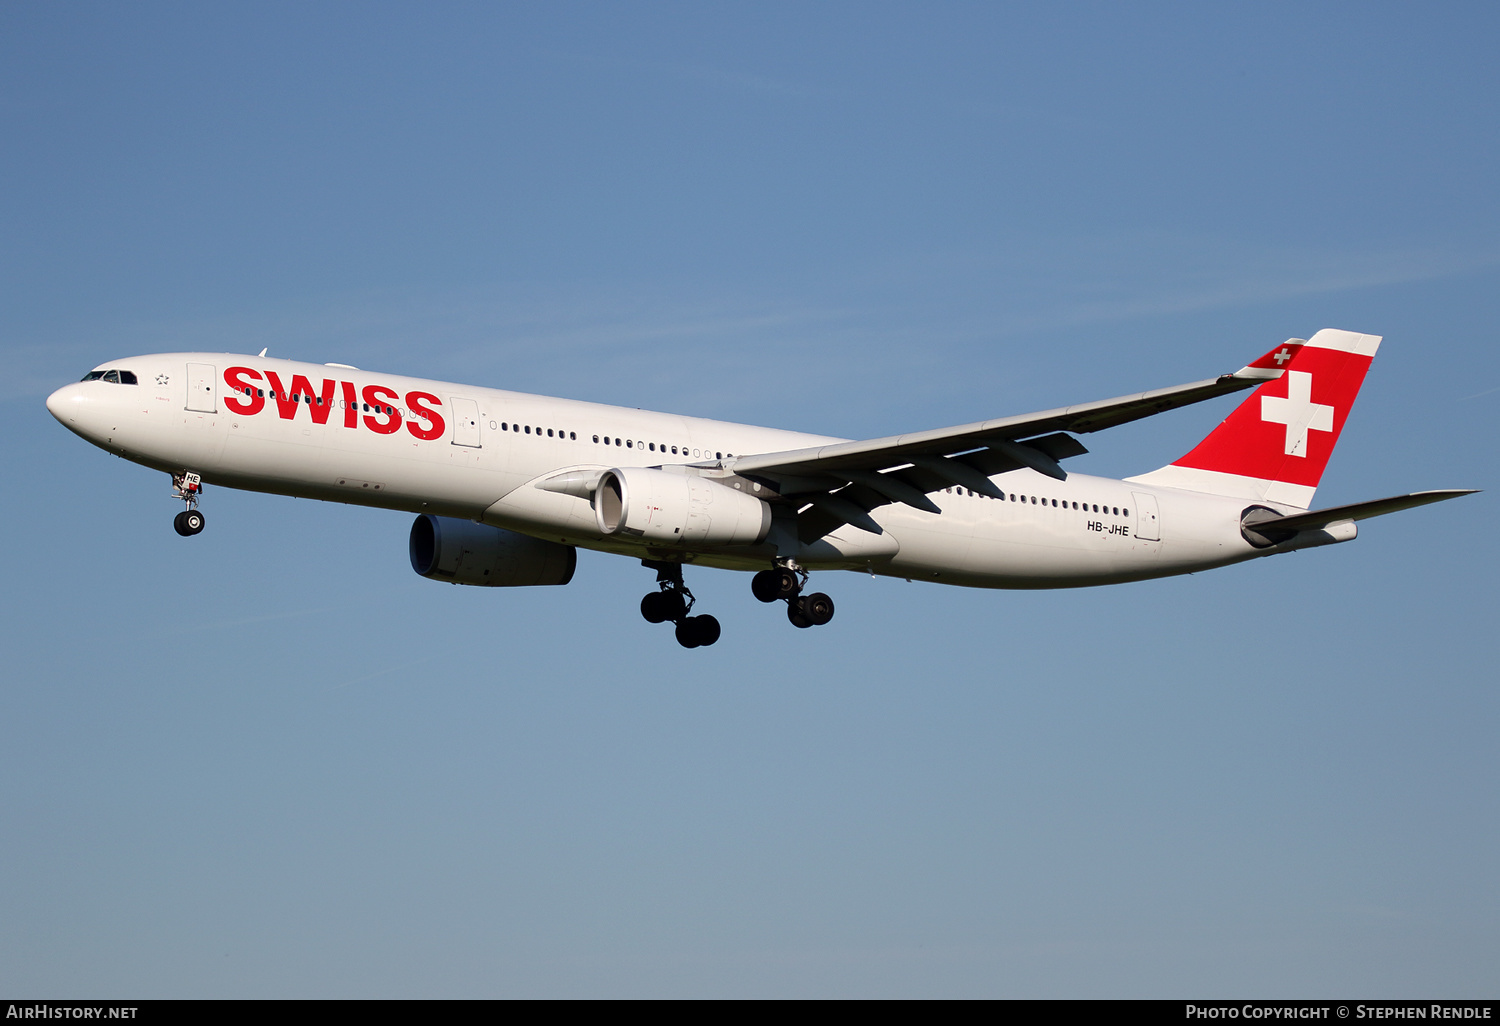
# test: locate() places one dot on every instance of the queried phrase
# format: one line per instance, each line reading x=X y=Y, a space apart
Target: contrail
x=1476 y=395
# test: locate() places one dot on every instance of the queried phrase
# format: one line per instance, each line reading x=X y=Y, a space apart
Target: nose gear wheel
x=187 y=486
x=188 y=523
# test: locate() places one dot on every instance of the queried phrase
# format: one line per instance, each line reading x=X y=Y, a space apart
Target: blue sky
x=271 y=761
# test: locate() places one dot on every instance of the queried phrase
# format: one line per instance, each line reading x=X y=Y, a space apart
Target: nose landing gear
x=784 y=582
x=187 y=487
x=674 y=602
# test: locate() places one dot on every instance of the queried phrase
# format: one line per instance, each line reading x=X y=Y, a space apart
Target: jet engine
x=463 y=552
x=675 y=509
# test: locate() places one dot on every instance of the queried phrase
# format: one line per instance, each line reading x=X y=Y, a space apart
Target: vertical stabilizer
x=1275 y=445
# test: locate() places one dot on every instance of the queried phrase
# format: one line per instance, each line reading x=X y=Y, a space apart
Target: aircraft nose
x=71 y=405
x=58 y=402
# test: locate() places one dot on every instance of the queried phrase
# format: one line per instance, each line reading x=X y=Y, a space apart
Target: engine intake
x=675 y=509
x=463 y=552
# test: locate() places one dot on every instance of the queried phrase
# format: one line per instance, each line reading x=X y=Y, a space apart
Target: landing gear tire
x=810 y=610
x=654 y=607
x=771 y=585
x=188 y=523
x=708 y=629
x=795 y=614
x=697 y=631
x=661 y=606
x=817 y=607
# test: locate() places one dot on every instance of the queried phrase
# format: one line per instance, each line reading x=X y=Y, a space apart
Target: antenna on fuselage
x=263 y=351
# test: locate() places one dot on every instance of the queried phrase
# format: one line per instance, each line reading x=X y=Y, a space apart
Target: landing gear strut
x=187 y=487
x=673 y=602
x=784 y=582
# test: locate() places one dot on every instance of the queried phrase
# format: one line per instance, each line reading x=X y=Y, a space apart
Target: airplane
x=506 y=487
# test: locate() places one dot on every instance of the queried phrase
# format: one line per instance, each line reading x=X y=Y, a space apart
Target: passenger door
x=1147 y=517
x=465 y=422
x=202 y=388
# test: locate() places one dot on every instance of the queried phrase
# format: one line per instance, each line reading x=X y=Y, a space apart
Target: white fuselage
x=485 y=449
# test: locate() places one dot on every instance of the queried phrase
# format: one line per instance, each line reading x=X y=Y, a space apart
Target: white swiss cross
x=1297 y=411
x=1282 y=357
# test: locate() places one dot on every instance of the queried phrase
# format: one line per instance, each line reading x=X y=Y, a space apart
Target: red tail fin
x=1275 y=445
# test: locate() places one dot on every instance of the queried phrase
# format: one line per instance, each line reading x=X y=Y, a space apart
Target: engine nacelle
x=463 y=552
x=675 y=509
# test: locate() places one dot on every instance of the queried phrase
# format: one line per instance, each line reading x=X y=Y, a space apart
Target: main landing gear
x=784 y=582
x=673 y=602
x=187 y=487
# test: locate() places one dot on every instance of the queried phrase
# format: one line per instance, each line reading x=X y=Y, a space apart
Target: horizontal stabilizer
x=1364 y=510
x=1262 y=527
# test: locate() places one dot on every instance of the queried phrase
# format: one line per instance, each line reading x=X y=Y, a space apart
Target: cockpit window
x=114 y=377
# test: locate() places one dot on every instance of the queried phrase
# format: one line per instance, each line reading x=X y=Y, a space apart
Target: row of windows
x=318 y=400
x=114 y=377
x=628 y=443
x=1033 y=500
x=661 y=447
x=528 y=429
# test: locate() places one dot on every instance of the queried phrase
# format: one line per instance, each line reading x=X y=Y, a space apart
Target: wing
x=843 y=481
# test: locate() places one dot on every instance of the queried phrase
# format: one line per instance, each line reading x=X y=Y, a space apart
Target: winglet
x=1273 y=364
